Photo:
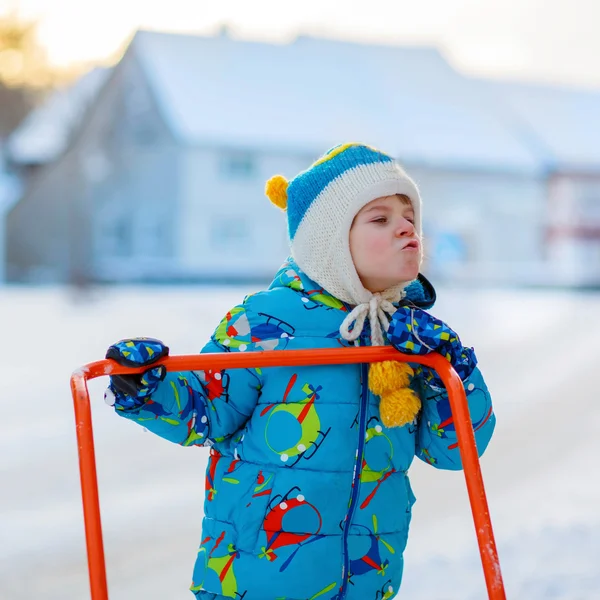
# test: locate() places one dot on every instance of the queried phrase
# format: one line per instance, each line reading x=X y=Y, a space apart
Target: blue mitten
x=415 y=331
x=131 y=391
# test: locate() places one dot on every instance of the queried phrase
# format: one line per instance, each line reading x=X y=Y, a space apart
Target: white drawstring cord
x=377 y=307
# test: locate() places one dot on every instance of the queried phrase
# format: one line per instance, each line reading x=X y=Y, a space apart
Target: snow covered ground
x=536 y=348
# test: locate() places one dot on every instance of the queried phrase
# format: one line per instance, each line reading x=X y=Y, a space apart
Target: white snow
x=536 y=348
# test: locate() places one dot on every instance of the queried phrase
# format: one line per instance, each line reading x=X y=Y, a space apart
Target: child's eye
x=380 y=220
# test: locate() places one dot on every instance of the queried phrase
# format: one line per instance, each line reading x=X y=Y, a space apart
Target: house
x=42 y=227
x=563 y=125
x=163 y=177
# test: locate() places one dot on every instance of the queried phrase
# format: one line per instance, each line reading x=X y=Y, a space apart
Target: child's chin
x=411 y=270
x=408 y=273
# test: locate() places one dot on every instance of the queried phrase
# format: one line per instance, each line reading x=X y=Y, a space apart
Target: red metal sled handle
x=458 y=405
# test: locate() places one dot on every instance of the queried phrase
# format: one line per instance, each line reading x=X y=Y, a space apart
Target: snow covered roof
x=47 y=131
x=564 y=123
x=313 y=93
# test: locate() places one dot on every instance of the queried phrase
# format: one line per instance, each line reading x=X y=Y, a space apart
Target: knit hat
x=321 y=204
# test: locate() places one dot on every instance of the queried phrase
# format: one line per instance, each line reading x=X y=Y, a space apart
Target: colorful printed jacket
x=307 y=494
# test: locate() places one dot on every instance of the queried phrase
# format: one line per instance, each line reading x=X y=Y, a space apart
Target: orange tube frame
x=458 y=405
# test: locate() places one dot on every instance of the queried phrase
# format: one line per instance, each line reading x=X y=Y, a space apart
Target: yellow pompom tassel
x=399 y=404
x=276 y=191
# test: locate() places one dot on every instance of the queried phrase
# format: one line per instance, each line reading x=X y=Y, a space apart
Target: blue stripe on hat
x=306 y=186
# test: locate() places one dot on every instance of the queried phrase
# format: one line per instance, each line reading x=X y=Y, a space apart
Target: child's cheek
x=377 y=245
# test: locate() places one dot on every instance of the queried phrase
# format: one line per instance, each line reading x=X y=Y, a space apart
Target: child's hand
x=133 y=390
x=415 y=331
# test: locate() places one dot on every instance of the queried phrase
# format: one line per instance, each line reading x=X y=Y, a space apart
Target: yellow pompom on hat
x=276 y=191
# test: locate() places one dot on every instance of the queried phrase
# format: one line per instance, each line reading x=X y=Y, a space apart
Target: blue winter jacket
x=307 y=493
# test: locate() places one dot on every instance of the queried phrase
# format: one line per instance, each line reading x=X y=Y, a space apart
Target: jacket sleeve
x=436 y=436
x=198 y=408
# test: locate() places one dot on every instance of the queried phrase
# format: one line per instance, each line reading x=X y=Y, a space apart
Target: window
x=229 y=234
x=238 y=166
x=116 y=238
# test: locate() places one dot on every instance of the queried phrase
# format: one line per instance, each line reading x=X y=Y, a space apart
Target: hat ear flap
x=276 y=191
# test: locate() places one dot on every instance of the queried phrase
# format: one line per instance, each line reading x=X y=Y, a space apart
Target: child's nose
x=405 y=228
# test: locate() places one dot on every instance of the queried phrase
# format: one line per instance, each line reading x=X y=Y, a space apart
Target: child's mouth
x=411 y=246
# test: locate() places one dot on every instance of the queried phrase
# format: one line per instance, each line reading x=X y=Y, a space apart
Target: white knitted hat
x=321 y=204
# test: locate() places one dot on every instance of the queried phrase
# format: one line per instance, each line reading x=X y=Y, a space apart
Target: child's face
x=384 y=245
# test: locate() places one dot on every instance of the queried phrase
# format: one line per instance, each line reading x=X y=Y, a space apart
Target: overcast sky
x=547 y=40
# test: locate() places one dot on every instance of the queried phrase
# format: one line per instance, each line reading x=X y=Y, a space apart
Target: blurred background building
x=154 y=169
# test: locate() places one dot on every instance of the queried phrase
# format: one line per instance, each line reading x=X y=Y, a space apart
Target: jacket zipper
x=356 y=477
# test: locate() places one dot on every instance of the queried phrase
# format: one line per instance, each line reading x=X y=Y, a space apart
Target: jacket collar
x=419 y=293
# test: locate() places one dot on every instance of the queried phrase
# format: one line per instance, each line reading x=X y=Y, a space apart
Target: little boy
x=307 y=492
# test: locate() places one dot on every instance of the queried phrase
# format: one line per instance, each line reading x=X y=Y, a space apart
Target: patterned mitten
x=415 y=331
x=131 y=391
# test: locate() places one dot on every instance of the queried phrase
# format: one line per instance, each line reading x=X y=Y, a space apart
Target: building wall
x=482 y=226
x=572 y=242
x=37 y=227
x=478 y=226
x=134 y=183
x=227 y=227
